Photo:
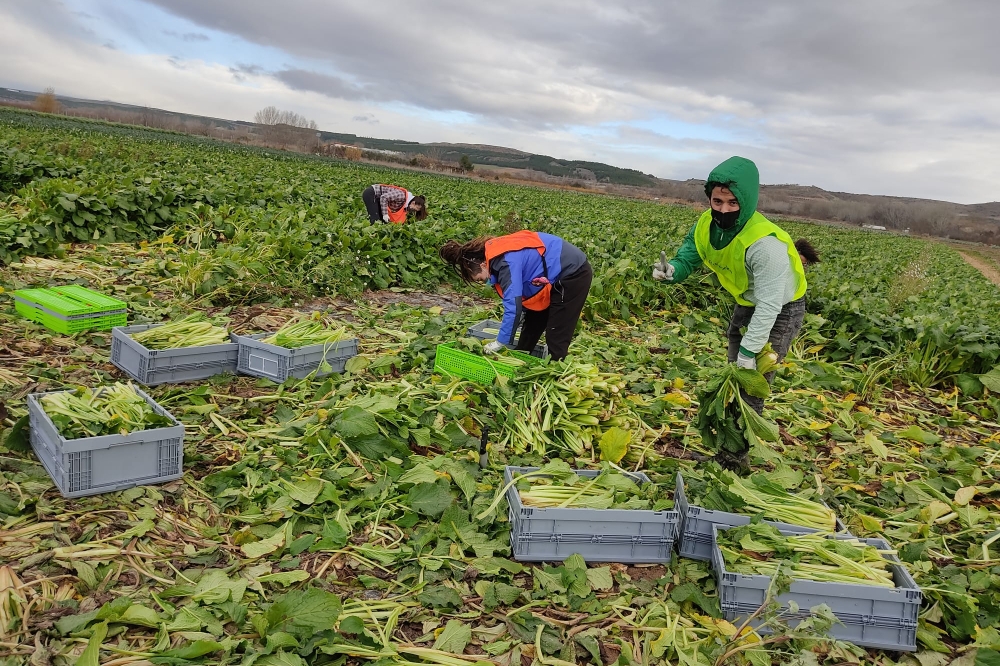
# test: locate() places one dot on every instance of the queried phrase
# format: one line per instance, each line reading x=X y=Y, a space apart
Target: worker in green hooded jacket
x=754 y=260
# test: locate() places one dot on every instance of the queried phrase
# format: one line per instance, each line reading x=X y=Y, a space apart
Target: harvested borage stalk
x=192 y=331
x=110 y=410
x=758 y=549
x=722 y=490
x=725 y=421
x=557 y=485
x=305 y=331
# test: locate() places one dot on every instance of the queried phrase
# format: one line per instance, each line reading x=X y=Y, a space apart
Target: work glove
x=663 y=270
x=748 y=362
x=493 y=347
x=385 y=218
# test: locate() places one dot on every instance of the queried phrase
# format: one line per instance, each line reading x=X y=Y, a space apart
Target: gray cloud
x=366 y=118
x=188 y=36
x=242 y=70
x=745 y=51
x=850 y=95
x=331 y=86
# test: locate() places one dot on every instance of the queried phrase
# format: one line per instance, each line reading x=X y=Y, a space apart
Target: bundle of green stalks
x=192 y=331
x=556 y=485
x=110 y=410
x=777 y=504
x=305 y=331
x=724 y=491
x=565 y=406
x=758 y=549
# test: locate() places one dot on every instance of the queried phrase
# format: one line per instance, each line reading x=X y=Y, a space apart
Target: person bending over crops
x=754 y=260
x=391 y=203
x=807 y=253
x=540 y=277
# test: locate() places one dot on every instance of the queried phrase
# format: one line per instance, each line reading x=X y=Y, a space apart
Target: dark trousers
x=785 y=328
x=558 y=322
x=372 y=204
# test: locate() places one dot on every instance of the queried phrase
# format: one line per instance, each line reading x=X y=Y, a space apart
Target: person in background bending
x=391 y=203
x=807 y=253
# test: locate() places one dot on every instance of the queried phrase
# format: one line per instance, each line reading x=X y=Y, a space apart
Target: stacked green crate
x=71 y=309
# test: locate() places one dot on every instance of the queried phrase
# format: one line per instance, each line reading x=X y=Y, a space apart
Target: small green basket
x=457 y=363
x=71 y=309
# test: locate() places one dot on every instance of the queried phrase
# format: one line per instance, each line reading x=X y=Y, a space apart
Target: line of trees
x=272 y=115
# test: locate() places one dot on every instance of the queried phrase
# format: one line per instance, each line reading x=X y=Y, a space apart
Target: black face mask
x=725 y=220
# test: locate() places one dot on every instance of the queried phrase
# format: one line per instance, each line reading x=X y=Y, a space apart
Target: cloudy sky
x=892 y=97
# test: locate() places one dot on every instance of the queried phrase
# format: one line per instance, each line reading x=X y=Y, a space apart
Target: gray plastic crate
x=628 y=536
x=894 y=610
x=260 y=359
x=695 y=541
x=167 y=366
x=894 y=638
x=479 y=331
x=95 y=465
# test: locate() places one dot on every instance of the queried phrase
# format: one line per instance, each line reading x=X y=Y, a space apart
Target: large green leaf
x=431 y=499
x=304 y=613
x=454 y=638
x=256 y=549
x=355 y=422
x=752 y=382
x=91 y=654
x=614 y=444
x=991 y=380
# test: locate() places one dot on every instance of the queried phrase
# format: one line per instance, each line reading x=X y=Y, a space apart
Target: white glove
x=663 y=270
x=748 y=362
x=385 y=218
x=493 y=347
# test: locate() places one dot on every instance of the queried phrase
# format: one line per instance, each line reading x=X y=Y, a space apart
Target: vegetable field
x=347 y=518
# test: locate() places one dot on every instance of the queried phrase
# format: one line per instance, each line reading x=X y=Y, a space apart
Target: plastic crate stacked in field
x=71 y=309
x=629 y=536
x=695 y=541
x=170 y=365
x=260 y=359
x=90 y=465
x=489 y=329
x=449 y=359
x=303 y=346
x=869 y=615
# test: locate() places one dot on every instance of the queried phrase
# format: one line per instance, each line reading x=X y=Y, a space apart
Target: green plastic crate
x=72 y=301
x=71 y=309
x=458 y=363
x=71 y=326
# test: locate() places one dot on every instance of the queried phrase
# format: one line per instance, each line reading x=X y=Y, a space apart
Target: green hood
x=741 y=176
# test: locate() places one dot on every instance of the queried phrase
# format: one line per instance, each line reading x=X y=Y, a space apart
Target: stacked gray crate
x=164 y=366
x=695 y=540
x=94 y=465
x=875 y=617
x=260 y=359
x=479 y=331
x=629 y=536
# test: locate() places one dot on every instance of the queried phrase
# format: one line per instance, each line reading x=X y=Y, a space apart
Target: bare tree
x=269 y=115
x=47 y=102
x=272 y=115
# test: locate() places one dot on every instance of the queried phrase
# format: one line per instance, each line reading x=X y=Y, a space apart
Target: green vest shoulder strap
x=729 y=263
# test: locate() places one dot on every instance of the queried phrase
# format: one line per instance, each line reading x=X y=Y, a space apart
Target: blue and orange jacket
x=523 y=267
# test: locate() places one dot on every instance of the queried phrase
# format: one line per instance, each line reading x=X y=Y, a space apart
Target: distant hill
x=497 y=156
x=489 y=156
x=978 y=222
